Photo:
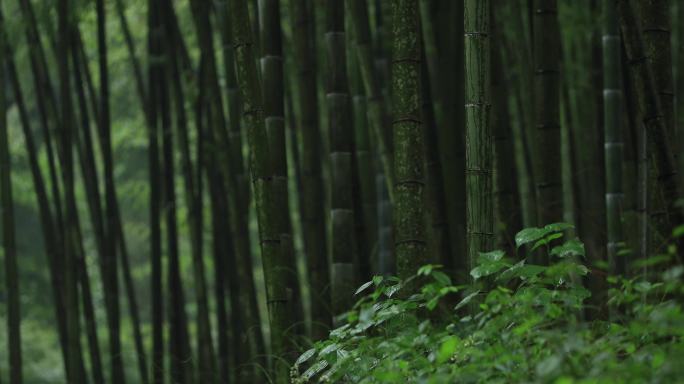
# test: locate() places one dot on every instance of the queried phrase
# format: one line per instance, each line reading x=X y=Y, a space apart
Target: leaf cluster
x=516 y=322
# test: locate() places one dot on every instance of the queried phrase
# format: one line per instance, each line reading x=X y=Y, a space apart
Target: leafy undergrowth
x=517 y=322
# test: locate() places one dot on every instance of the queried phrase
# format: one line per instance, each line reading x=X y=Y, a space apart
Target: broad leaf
x=488 y=257
x=487 y=269
x=572 y=247
x=529 y=235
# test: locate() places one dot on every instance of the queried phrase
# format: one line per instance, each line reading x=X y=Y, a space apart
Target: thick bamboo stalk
x=377 y=109
x=313 y=214
x=612 y=125
x=273 y=91
x=438 y=234
x=547 y=171
x=343 y=239
x=518 y=52
x=508 y=213
x=264 y=189
x=441 y=55
x=364 y=173
x=409 y=160
x=479 y=151
x=650 y=112
x=654 y=17
x=238 y=199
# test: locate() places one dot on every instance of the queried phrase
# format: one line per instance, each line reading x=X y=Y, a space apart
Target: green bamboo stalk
x=123 y=249
x=313 y=216
x=612 y=122
x=207 y=370
x=547 y=170
x=479 y=154
x=109 y=260
x=154 y=48
x=371 y=82
x=47 y=108
x=75 y=360
x=341 y=145
x=8 y=232
x=363 y=166
x=386 y=264
x=517 y=52
x=207 y=364
x=509 y=218
x=630 y=165
x=409 y=163
x=655 y=27
x=442 y=54
x=181 y=363
x=264 y=189
x=83 y=141
x=656 y=30
x=47 y=221
x=438 y=235
x=650 y=111
x=238 y=198
x=273 y=91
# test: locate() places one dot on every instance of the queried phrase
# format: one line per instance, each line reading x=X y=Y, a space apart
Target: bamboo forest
x=341 y=191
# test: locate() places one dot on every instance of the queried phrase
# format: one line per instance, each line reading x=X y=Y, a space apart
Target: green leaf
x=466 y=300
x=314 y=370
x=329 y=349
x=425 y=270
x=678 y=231
x=441 y=277
x=432 y=303
x=305 y=356
x=572 y=247
x=487 y=269
x=529 y=235
x=363 y=287
x=488 y=257
x=447 y=349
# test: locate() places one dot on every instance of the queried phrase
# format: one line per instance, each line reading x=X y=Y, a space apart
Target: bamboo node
x=409 y=119
x=478 y=171
x=481 y=233
x=410 y=241
x=409 y=60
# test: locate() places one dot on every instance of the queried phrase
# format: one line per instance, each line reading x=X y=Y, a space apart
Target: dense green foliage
x=526 y=323
x=191 y=190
